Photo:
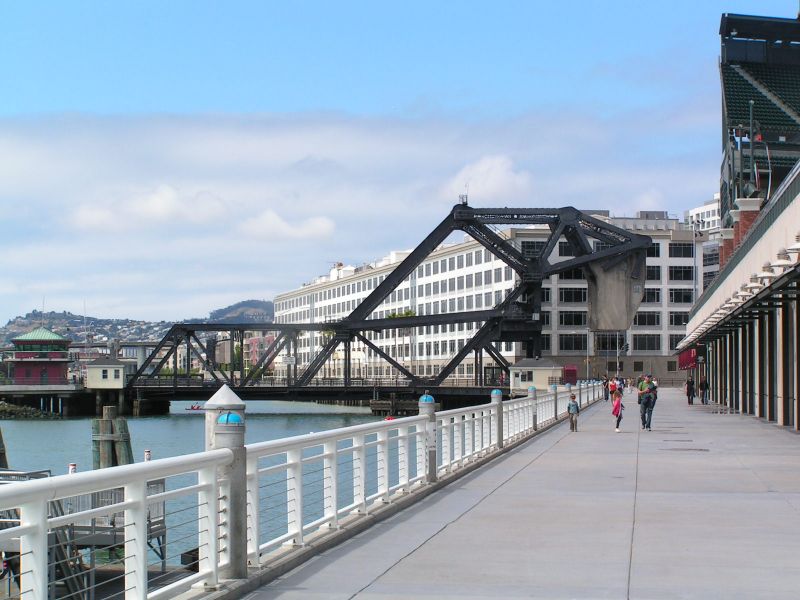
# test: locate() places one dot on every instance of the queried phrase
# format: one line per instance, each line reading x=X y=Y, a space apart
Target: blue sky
x=152 y=142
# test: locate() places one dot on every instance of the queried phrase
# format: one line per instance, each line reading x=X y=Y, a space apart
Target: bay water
x=44 y=444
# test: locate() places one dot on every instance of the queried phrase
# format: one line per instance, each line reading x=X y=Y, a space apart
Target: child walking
x=573 y=409
x=617 y=407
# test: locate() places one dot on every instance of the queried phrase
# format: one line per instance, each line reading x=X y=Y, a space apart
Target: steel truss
x=516 y=318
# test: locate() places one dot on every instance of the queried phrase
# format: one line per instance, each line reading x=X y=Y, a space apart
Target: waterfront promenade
x=706 y=505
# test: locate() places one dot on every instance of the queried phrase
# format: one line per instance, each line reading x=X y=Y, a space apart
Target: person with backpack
x=648 y=394
x=617 y=407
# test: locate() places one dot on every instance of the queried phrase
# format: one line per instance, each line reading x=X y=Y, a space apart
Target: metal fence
x=153 y=529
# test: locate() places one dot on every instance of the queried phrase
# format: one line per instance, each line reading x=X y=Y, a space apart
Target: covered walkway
x=707 y=505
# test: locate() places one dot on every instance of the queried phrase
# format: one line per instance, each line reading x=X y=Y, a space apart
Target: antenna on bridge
x=463 y=198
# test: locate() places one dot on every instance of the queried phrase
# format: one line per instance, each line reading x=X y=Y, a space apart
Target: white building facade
x=466 y=277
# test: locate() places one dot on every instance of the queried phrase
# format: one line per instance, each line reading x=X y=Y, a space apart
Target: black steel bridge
x=516 y=318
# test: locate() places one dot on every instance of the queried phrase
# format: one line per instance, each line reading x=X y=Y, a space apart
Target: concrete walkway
x=704 y=506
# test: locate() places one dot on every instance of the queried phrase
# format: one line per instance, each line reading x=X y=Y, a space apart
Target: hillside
x=247 y=311
x=75 y=327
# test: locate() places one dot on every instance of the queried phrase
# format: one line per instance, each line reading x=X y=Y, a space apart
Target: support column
x=347 y=364
x=729 y=392
x=786 y=360
x=751 y=364
x=761 y=367
x=736 y=368
x=772 y=366
x=796 y=365
x=744 y=342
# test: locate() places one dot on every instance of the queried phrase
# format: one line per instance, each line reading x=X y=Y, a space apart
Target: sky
x=159 y=160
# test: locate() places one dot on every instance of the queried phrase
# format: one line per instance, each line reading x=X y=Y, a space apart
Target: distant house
x=41 y=357
x=108 y=373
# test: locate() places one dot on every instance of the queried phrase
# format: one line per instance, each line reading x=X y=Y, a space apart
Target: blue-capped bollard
x=427 y=407
x=225 y=428
x=532 y=393
x=497 y=410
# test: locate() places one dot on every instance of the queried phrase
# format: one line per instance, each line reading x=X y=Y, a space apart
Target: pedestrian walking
x=574 y=410
x=616 y=408
x=648 y=394
x=690 y=390
x=605 y=388
x=703 y=386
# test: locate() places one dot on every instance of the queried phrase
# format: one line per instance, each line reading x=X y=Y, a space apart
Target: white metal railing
x=296 y=488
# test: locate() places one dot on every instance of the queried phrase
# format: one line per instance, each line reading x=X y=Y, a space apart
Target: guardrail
x=297 y=488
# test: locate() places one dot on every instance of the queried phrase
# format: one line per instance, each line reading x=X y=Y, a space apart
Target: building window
x=605 y=342
x=681 y=250
x=572 y=342
x=545 y=295
x=652 y=296
x=105 y=373
x=572 y=295
x=647 y=319
x=674 y=340
x=545 y=342
x=646 y=342
x=678 y=319
x=653 y=273
x=680 y=296
x=654 y=250
x=460 y=261
x=672 y=366
x=572 y=318
x=638 y=366
x=598 y=246
x=116 y=373
x=681 y=273
x=532 y=249
x=544 y=318
x=565 y=249
x=572 y=274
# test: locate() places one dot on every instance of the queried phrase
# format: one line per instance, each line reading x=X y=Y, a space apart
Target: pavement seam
x=469 y=510
x=633 y=523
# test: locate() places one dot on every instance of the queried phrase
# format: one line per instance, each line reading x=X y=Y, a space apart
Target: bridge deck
x=704 y=506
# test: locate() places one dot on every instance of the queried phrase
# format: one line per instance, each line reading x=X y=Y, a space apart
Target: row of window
x=530 y=248
x=676 y=273
x=640 y=342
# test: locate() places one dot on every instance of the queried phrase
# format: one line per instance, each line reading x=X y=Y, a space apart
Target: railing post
x=136 y=541
x=360 y=474
x=225 y=428
x=554 y=390
x=331 y=472
x=427 y=407
x=253 y=523
x=383 y=465
x=33 y=550
x=535 y=406
x=497 y=411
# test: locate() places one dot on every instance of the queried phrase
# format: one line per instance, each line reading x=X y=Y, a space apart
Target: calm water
x=33 y=445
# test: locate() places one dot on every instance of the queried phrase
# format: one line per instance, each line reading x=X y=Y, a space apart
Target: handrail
x=295 y=488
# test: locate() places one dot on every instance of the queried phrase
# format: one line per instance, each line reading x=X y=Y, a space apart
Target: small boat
x=194 y=407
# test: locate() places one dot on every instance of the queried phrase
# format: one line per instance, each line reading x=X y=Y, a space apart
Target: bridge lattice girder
x=510 y=319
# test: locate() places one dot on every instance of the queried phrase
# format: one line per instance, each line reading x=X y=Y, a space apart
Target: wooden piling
x=111 y=441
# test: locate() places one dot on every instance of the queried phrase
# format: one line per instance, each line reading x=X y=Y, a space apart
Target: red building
x=41 y=357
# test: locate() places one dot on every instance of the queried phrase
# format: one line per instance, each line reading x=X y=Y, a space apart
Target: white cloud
x=165 y=218
x=489 y=179
x=268 y=225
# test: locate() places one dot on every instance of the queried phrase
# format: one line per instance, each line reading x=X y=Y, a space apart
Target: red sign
x=687 y=359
